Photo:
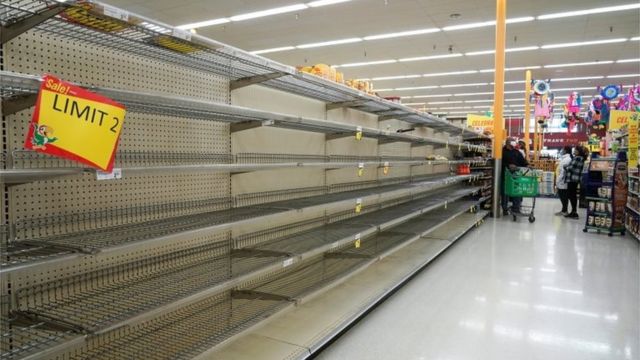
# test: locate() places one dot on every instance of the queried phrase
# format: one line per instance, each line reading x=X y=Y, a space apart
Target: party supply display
x=543 y=100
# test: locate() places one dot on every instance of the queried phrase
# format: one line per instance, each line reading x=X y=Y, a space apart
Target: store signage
x=633 y=140
x=76 y=124
x=619 y=118
x=479 y=122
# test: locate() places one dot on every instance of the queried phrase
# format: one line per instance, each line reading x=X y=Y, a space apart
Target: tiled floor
x=512 y=291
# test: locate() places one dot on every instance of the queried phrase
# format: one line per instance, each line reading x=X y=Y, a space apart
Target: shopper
x=561 y=183
x=512 y=159
x=573 y=175
x=522 y=147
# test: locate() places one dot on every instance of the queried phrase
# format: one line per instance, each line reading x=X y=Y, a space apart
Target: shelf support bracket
x=18 y=103
x=347 y=104
x=12 y=30
x=52 y=323
x=258 y=253
x=257 y=295
x=389 y=117
x=242 y=126
x=338 y=136
x=256 y=79
x=340 y=255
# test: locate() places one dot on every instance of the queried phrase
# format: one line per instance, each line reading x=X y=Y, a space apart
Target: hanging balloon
x=540 y=87
x=610 y=92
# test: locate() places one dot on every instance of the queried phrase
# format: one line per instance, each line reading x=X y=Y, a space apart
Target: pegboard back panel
x=145 y=140
x=38 y=52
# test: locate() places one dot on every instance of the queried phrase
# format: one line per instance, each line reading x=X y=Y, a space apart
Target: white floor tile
x=512 y=291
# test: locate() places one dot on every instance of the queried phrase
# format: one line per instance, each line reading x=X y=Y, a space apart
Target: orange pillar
x=498 y=101
x=527 y=112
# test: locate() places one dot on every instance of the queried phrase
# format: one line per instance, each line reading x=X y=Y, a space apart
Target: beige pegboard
x=153 y=136
x=37 y=52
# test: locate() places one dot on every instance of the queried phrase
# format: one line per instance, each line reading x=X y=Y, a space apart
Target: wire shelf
x=19 y=339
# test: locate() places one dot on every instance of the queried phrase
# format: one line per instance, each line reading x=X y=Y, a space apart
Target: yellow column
x=536 y=140
x=527 y=112
x=498 y=101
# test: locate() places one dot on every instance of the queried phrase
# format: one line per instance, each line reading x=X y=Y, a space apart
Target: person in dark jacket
x=512 y=159
x=573 y=175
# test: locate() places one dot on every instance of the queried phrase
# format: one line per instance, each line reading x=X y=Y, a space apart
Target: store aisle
x=512 y=291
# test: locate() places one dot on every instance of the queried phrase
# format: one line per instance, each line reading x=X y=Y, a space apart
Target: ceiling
x=360 y=18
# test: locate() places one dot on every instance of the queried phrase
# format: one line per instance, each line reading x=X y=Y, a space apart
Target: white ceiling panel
x=360 y=18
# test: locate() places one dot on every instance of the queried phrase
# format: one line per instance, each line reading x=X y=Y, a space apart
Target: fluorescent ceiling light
x=515 y=99
x=475 y=93
x=410 y=104
x=263 y=13
x=401 y=34
x=584 y=43
x=522 y=68
x=431 y=96
x=482 y=52
x=477 y=101
x=378 y=90
x=395 y=77
x=482 y=106
x=513 y=82
x=377 y=62
x=205 y=23
x=623 y=76
x=589 y=11
x=454 y=107
x=577 y=78
x=635 y=38
x=579 y=64
x=445 y=102
x=431 y=57
x=451 y=73
x=627 y=60
x=463 y=85
x=486 y=23
x=487 y=52
x=329 y=43
x=325 y=2
x=487 y=70
x=416 y=88
x=514 y=92
x=272 y=50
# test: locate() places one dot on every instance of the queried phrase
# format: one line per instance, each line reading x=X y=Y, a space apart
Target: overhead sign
x=619 y=118
x=479 y=122
x=76 y=124
x=633 y=140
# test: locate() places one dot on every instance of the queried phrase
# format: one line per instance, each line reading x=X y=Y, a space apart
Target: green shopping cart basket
x=520 y=183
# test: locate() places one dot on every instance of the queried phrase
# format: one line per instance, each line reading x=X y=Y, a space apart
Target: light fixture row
x=525 y=48
x=578 y=78
x=259 y=14
x=532 y=67
x=450 y=28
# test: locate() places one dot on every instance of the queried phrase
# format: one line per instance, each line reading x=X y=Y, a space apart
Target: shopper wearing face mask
x=512 y=159
x=573 y=175
x=561 y=183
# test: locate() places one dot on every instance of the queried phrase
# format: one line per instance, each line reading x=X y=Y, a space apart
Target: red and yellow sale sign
x=76 y=124
x=619 y=118
x=633 y=140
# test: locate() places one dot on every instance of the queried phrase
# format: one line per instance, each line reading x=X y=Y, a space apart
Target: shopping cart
x=522 y=183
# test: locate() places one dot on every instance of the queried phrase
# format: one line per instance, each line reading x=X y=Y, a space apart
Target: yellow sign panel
x=633 y=140
x=479 y=122
x=619 y=118
x=76 y=124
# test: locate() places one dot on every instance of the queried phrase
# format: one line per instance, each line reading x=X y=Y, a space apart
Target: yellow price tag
x=76 y=124
x=357 y=242
x=385 y=169
x=359 y=133
x=358 y=206
x=360 y=169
